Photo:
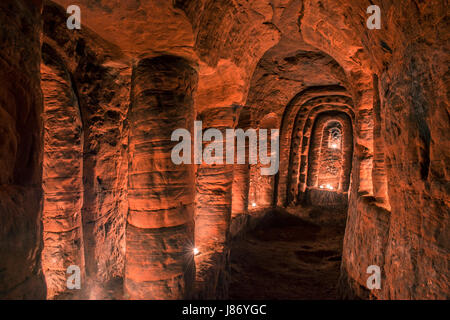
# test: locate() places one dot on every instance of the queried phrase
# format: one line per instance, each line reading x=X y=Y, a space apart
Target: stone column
x=62 y=176
x=160 y=234
x=241 y=176
x=213 y=208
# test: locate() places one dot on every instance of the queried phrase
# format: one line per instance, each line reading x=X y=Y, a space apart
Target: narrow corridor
x=287 y=257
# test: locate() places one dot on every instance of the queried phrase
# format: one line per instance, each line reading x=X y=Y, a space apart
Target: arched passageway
x=296 y=253
x=88 y=181
x=329 y=160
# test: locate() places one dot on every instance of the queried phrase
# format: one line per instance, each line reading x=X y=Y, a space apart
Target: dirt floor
x=287 y=257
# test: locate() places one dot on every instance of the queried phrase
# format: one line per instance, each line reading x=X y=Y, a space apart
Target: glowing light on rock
x=253 y=204
x=195 y=251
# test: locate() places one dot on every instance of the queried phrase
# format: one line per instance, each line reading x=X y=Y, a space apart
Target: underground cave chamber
x=360 y=118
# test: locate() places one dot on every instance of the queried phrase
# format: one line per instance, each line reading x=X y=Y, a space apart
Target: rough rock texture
x=261 y=189
x=141 y=28
x=105 y=108
x=62 y=177
x=287 y=61
x=160 y=234
x=213 y=210
x=289 y=256
x=298 y=133
x=241 y=172
x=230 y=38
x=21 y=151
x=379 y=177
x=329 y=162
x=411 y=247
x=100 y=79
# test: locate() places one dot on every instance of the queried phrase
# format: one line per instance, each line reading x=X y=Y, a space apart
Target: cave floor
x=287 y=257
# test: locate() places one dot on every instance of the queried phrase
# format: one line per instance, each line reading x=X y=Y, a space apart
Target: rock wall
x=62 y=177
x=213 y=208
x=409 y=244
x=100 y=78
x=288 y=61
x=328 y=166
x=241 y=173
x=301 y=142
x=21 y=147
x=160 y=234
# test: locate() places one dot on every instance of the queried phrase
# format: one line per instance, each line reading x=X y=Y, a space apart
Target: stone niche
x=329 y=160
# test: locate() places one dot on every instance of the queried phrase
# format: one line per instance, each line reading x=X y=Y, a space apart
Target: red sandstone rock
x=21 y=151
x=62 y=175
x=160 y=231
x=155 y=66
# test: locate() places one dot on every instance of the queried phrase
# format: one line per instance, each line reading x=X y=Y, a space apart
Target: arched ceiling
x=239 y=46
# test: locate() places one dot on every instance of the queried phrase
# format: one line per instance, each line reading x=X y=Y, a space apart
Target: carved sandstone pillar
x=160 y=234
x=62 y=175
x=213 y=206
x=241 y=176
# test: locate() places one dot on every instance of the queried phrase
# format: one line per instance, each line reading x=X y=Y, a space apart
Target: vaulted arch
x=329 y=165
x=292 y=136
